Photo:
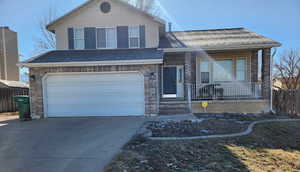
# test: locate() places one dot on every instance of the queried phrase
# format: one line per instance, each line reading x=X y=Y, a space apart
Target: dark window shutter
x=101 y=38
x=71 y=38
x=122 y=36
x=90 y=38
x=142 y=37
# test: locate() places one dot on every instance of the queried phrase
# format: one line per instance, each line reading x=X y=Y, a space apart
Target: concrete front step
x=173 y=107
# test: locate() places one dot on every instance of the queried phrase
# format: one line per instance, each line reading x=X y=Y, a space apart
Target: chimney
x=170 y=27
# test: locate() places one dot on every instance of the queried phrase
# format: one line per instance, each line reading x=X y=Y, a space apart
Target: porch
x=221 y=78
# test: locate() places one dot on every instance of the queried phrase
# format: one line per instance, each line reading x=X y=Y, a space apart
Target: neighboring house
x=281 y=83
x=8 y=55
x=115 y=60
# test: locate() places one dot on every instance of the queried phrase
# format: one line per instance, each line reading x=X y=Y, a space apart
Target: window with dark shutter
x=78 y=38
x=106 y=38
x=134 y=37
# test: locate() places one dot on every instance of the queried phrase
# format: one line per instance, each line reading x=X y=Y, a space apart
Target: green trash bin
x=23 y=106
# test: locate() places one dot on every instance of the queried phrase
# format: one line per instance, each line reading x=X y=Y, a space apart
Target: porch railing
x=226 y=91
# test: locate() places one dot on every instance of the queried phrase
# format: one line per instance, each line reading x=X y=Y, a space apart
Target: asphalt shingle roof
x=98 y=55
x=216 y=39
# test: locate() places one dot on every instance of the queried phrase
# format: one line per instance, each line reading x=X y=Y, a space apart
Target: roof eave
x=92 y=63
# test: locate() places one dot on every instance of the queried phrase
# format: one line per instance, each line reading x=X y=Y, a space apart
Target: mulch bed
x=212 y=124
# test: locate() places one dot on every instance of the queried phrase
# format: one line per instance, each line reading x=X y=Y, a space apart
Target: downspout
x=271 y=81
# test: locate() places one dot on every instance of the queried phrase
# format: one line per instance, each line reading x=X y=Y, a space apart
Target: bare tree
x=149 y=6
x=46 y=41
x=287 y=69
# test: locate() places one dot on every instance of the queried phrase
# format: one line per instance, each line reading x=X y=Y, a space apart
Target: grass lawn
x=273 y=147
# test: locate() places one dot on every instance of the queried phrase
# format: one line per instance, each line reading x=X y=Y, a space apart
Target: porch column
x=254 y=66
x=188 y=78
x=266 y=70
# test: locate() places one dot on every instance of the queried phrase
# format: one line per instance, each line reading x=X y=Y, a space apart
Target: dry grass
x=8 y=116
x=273 y=147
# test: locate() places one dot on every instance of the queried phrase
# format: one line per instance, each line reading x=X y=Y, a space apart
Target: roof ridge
x=112 y=49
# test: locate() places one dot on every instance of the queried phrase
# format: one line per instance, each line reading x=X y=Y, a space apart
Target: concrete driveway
x=62 y=145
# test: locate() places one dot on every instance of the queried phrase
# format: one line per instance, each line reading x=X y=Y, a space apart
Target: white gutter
x=92 y=63
x=220 y=48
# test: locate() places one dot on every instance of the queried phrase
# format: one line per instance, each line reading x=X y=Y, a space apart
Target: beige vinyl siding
x=120 y=15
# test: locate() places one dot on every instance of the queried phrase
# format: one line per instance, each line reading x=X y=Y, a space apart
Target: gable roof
x=155 y=18
x=216 y=39
x=97 y=57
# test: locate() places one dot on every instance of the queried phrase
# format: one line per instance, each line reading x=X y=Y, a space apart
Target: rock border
x=248 y=131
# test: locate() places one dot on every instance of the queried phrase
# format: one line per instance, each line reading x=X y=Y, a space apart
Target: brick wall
x=151 y=84
x=266 y=83
x=241 y=106
x=254 y=66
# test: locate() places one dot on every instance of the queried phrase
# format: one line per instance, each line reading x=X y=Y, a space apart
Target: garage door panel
x=95 y=95
x=88 y=94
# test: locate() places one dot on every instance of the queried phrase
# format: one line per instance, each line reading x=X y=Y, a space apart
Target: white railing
x=226 y=91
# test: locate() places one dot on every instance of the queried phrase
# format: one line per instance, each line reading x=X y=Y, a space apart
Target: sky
x=275 y=19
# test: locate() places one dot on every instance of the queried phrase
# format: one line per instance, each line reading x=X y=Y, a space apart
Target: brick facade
x=233 y=106
x=254 y=66
x=150 y=73
x=266 y=71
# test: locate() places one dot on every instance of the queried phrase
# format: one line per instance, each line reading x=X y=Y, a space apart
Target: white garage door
x=79 y=95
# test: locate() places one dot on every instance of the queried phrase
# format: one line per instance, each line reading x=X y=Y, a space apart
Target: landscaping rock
x=144 y=132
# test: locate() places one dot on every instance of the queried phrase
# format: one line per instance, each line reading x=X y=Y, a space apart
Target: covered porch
x=219 y=77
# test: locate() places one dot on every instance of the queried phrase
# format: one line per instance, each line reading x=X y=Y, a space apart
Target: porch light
x=32 y=78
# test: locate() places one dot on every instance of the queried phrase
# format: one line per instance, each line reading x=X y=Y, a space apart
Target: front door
x=170 y=80
x=173 y=81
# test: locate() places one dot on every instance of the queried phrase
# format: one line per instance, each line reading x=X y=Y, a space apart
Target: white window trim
x=139 y=38
x=74 y=39
x=245 y=69
x=209 y=70
x=116 y=37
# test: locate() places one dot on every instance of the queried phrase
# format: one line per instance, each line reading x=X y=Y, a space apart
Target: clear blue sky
x=276 y=19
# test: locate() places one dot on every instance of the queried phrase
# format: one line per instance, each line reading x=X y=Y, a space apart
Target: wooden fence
x=7 y=103
x=287 y=101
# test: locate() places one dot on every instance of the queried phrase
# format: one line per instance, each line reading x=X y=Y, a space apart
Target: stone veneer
x=150 y=73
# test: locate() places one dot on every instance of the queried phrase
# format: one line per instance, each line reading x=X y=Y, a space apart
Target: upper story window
x=134 y=36
x=78 y=38
x=106 y=38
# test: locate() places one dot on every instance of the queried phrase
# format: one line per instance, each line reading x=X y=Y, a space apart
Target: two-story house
x=114 y=60
x=9 y=56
